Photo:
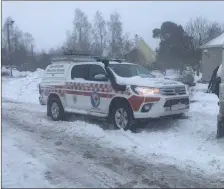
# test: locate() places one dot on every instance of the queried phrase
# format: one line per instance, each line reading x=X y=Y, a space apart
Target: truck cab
x=220 y=119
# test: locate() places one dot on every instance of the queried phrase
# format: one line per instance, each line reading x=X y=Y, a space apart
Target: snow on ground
x=22 y=89
x=184 y=142
x=15 y=72
x=19 y=169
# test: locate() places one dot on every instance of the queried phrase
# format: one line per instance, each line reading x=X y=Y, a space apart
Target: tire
x=126 y=112
x=56 y=110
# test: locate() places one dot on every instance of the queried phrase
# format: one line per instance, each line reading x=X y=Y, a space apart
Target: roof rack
x=77 y=53
x=72 y=59
x=74 y=56
x=100 y=59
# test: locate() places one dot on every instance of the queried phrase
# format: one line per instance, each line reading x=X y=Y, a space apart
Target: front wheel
x=122 y=117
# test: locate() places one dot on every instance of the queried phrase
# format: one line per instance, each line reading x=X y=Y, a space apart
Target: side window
x=97 y=73
x=80 y=71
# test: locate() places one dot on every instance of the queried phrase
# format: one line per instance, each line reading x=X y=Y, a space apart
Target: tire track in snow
x=136 y=171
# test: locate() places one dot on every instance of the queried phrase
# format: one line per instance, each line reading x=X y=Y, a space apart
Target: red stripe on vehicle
x=82 y=93
x=136 y=102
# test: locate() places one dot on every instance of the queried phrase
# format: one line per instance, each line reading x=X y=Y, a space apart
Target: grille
x=173 y=91
x=172 y=102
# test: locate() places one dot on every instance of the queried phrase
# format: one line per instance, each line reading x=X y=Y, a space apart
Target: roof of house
x=145 y=50
x=216 y=42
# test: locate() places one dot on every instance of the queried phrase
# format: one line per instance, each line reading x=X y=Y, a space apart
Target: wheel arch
x=118 y=100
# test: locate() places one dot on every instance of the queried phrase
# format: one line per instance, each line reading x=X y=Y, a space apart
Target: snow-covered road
x=40 y=153
x=167 y=152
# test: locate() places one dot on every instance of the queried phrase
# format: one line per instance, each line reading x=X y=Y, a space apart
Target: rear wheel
x=122 y=116
x=56 y=110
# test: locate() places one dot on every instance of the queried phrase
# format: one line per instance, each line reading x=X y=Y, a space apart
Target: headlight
x=145 y=90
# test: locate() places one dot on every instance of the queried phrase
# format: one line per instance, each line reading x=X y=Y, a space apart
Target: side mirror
x=100 y=77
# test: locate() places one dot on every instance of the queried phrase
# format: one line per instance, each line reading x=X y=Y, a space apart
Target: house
x=211 y=56
x=141 y=54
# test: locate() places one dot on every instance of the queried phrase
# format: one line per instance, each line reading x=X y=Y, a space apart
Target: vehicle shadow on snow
x=157 y=124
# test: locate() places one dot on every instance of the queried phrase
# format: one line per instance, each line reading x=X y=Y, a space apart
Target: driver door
x=98 y=100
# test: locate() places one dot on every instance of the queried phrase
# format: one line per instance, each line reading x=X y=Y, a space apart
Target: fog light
x=147 y=107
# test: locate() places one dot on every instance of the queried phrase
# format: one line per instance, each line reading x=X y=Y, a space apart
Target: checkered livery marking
x=106 y=88
x=85 y=87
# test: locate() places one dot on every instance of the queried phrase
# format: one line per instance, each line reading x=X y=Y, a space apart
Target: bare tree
x=82 y=31
x=127 y=43
x=21 y=45
x=99 y=32
x=71 y=41
x=28 y=42
x=214 y=30
x=115 y=27
x=202 y=30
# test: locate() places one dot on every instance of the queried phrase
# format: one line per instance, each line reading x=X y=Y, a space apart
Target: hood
x=147 y=81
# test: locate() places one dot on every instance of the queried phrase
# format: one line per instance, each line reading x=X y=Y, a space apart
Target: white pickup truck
x=120 y=91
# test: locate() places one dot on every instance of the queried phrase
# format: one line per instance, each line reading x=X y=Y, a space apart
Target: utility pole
x=9 y=23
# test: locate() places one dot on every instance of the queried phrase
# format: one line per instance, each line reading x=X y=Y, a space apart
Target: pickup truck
x=119 y=91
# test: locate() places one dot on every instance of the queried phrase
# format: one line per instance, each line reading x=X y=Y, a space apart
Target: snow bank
x=15 y=72
x=23 y=89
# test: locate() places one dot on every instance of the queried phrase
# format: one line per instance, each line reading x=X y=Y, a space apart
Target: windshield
x=130 y=70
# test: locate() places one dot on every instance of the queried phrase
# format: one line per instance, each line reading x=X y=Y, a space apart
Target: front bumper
x=164 y=107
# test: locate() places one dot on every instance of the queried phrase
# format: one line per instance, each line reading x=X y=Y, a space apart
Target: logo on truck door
x=95 y=99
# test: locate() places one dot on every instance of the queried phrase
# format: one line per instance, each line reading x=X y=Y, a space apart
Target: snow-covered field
x=186 y=143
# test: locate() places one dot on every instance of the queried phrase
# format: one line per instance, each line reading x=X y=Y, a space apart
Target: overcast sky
x=49 y=21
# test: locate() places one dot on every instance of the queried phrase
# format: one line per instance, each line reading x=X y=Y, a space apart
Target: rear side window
x=95 y=70
x=80 y=71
